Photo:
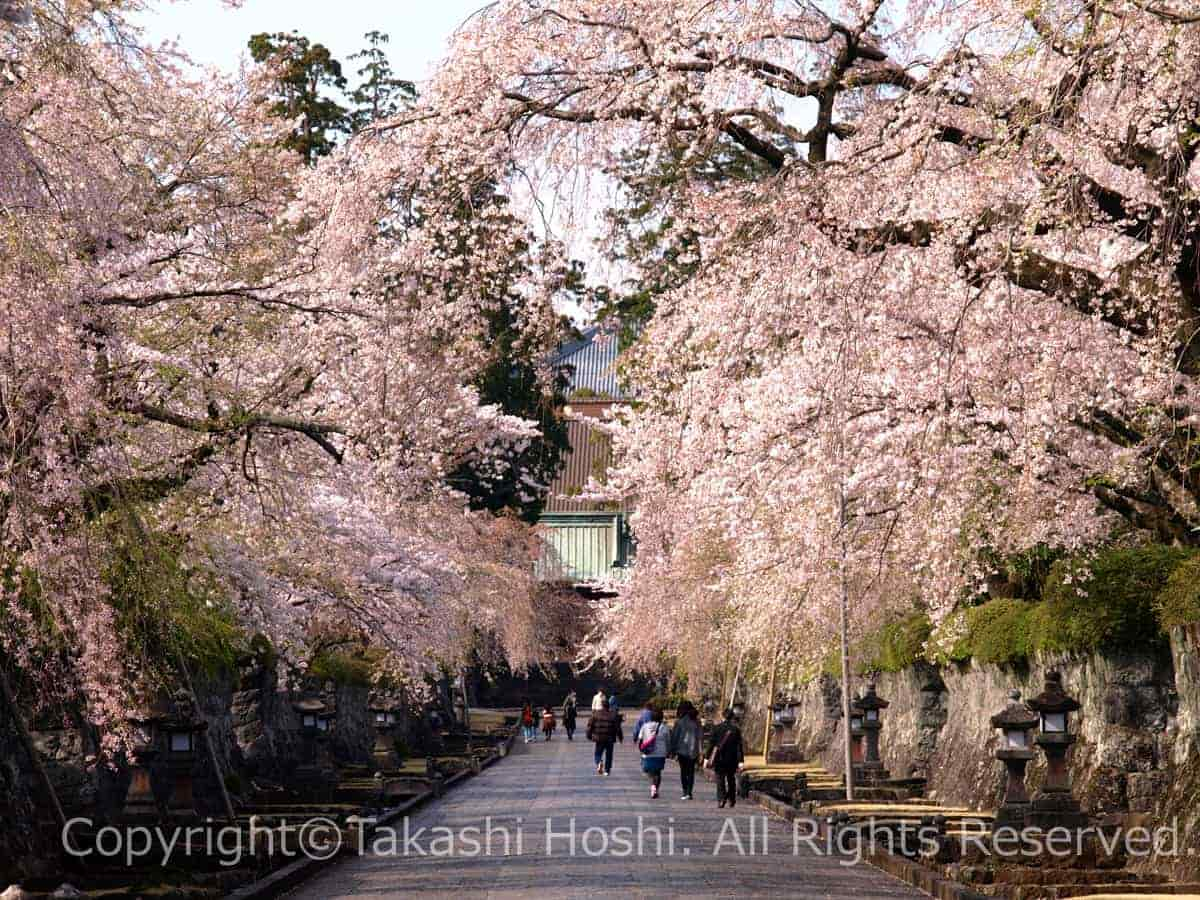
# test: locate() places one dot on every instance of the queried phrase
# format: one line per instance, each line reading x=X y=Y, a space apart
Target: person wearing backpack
x=654 y=740
x=726 y=757
x=686 y=745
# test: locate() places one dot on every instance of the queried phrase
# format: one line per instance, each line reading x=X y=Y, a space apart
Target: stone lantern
x=182 y=733
x=783 y=718
x=140 y=804
x=856 y=729
x=1054 y=806
x=315 y=772
x=1016 y=722
x=871 y=768
x=384 y=713
x=786 y=716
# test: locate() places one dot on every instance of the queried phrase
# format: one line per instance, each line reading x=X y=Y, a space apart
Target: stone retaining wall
x=1137 y=759
x=1133 y=724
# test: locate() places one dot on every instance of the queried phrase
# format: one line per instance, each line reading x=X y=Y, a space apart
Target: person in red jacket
x=604 y=729
x=527 y=722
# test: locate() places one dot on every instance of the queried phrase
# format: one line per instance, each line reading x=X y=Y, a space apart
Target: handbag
x=712 y=757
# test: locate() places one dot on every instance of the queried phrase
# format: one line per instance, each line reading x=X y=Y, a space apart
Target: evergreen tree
x=305 y=74
x=518 y=482
x=379 y=94
x=644 y=233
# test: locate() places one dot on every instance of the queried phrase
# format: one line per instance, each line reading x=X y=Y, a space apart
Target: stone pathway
x=553 y=787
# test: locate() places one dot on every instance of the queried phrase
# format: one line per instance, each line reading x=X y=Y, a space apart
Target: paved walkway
x=555 y=785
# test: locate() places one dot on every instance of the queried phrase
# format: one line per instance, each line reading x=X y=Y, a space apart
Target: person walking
x=548 y=723
x=598 y=700
x=527 y=722
x=727 y=757
x=644 y=717
x=654 y=743
x=569 y=715
x=686 y=745
x=604 y=729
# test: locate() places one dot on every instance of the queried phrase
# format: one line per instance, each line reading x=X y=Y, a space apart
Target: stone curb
x=293 y=874
x=918 y=876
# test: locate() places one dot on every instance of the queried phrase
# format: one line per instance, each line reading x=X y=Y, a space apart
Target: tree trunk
x=767 y=705
x=8 y=699
x=845 y=629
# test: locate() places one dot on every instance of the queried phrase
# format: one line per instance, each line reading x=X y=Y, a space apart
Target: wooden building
x=587 y=542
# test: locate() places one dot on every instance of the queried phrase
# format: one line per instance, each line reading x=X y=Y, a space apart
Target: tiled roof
x=591 y=364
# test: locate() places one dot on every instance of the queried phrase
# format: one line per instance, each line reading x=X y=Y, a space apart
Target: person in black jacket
x=604 y=728
x=726 y=757
x=569 y=714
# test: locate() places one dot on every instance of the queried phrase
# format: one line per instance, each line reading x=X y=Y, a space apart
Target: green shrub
x=998 y=632
x=896 y=645
x=1028 y=571
x=1109 y=601
x=355 y=667
x=1178 y=603
x=1121 y=597
x=901 y=643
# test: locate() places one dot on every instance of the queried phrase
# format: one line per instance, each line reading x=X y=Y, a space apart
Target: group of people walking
x=656 y=740
x=684 y=743
x=548 y=722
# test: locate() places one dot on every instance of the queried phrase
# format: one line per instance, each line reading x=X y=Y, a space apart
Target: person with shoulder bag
x=726 y=757
x=654 y=740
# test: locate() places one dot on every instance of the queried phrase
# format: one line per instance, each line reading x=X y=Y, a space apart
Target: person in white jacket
x=598 y=701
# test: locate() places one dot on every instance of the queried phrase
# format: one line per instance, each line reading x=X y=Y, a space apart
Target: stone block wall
x=938 y=726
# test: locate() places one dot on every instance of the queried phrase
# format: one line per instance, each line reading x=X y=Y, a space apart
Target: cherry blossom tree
x=957 y=317
x=268 y=363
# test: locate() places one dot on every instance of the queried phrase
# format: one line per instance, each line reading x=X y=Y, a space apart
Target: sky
x=213 y=34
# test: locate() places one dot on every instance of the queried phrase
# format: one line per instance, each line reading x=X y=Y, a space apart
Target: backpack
x=649 y=738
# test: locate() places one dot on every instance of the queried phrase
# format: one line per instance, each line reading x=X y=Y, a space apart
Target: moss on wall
x=1120 y=598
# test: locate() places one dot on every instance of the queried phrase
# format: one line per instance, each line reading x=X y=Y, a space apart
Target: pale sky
x=213 y=34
